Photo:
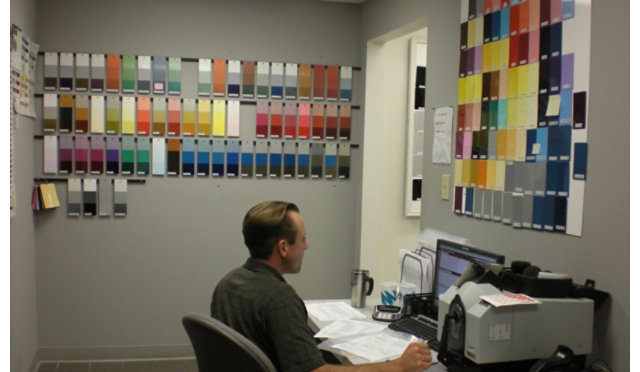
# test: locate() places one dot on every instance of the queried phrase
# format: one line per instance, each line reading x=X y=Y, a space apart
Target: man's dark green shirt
x=256 y=301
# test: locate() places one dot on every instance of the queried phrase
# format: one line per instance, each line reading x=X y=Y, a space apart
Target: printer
x=478 y=336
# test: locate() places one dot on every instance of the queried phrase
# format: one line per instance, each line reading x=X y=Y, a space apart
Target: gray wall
x=121 y=286
x=602 y=253
x=24 y=338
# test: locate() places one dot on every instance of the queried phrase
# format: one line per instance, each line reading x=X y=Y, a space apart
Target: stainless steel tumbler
x=361 y=287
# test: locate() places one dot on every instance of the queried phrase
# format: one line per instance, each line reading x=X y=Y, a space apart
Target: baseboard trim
x=114 y=352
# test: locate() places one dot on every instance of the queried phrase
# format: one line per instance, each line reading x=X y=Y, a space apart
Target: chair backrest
x=219 y=347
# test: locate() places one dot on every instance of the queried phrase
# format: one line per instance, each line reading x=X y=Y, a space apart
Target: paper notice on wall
x=24 y=53
x=442 y=123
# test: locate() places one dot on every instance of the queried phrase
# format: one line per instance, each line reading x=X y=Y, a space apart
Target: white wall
x=24 y=337
x=385 y=229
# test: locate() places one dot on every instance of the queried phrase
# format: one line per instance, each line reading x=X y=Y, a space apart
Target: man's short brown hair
x=265 y=224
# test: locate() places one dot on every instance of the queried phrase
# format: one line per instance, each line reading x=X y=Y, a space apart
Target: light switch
x=444 y=193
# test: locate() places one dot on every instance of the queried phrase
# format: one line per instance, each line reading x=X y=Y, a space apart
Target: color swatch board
x=521 y=130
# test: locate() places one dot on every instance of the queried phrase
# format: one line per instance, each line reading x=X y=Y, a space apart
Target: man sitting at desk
x=256 y=301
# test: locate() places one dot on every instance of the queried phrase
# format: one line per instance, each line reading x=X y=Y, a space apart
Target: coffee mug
x=389 y=293
x=361 y=286
x=405 y=289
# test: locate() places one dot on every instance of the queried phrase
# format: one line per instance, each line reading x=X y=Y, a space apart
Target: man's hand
x=416 y=357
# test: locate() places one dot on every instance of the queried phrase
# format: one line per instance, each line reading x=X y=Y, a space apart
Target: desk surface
x=317 y=324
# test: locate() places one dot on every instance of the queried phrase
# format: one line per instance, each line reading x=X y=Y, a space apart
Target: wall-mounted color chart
x=523 y=83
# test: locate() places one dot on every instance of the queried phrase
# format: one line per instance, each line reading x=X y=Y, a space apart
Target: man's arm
x=415 y=358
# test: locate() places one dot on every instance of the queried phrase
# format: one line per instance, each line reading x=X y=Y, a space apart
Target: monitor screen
x=452 y=258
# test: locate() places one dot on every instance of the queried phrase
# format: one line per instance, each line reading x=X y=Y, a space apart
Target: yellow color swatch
x=466 y=172
x=523 y=80
x=457 y=172
x=189 y=117
x=468 y=92
x=477 y=87
x=534 y=76
x=532 y=112
x=512 y=113
x=204 y=117
x=511 y=144
x=462 y=90
x=486 y=57
x=491 y=175
x=219 y=117
x=471 y=33
x=501 y=145
x=479 y=30
x=500 y=170
x=513 y=83
x=522 y=112
x=473 y=173
x=128 y=115
x=521 y=144
x=503 y=51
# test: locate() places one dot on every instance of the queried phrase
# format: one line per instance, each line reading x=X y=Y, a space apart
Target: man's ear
x=282 y=248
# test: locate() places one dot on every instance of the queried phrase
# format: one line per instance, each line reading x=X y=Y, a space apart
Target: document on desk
x=378 y=347
x=328 y=311
x=347 y=327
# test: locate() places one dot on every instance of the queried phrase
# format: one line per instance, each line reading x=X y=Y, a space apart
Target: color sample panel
x=219 y=77
x=173 y=157
x=345 y=122
x=233 y=118
x=262 y=154
x=332 y=122
x=98 y=72
x=82 y=72
x=128 y=115
x=128 y=155
x=119 y=198
x=89 y=196
x=289 y=162
x=143 y=156
x=304 y=83
x=246 y=159
x=317 y=119
x=128 y=74
x=204 y=117
x=97 y=155
x=262 y=80
x=304 y=120
x=74 y=197
x=105 y=198
x=219 y=117
x=204 y=151
x=144 y=74
x=113 y=155
x=173 y=116
x=50 y=162
x=65 y=154
x=189 y=117
x=248 y=79
x=303 y=160
x=318 y=82
x=262 y=119
x=345 y=83
x=50 y=71
x=217 y=158
x=317 y=155
x=275 y=159
x=234 y=78
x=113 y=115
x=333 y=82
x=291 y=81
x=159 y=116
x=82 y=155
x=233 y=158
x=204 y=77
x=82 y=114
x=331 y=160
x=144 y=116
x=277 y=80
x=276 y=120
x=50 y=113
x=159 y=155
x=188 y=156
x=290 y=122
x=174 y=76
x=159 y=74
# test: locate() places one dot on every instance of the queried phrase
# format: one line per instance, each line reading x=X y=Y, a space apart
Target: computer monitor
x=452 y=258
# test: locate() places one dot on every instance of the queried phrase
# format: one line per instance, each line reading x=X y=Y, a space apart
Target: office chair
x=219 y=348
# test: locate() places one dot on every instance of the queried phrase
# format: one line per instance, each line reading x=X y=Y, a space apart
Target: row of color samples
x=161 y=116
x=521 y=145
x=233 y=78
x=90 y=196
x=537 y=178
x=217 y=158
x=493 y=19
x=547 y=213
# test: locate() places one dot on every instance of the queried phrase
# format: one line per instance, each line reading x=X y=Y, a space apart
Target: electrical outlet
x=444 y=193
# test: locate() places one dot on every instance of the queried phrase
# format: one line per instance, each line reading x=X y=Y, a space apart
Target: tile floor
x=156 y=365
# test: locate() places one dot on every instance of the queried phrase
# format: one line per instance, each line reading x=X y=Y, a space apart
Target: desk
x=345 y=358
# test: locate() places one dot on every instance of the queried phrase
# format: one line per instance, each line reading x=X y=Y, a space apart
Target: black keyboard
x=419 y=326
